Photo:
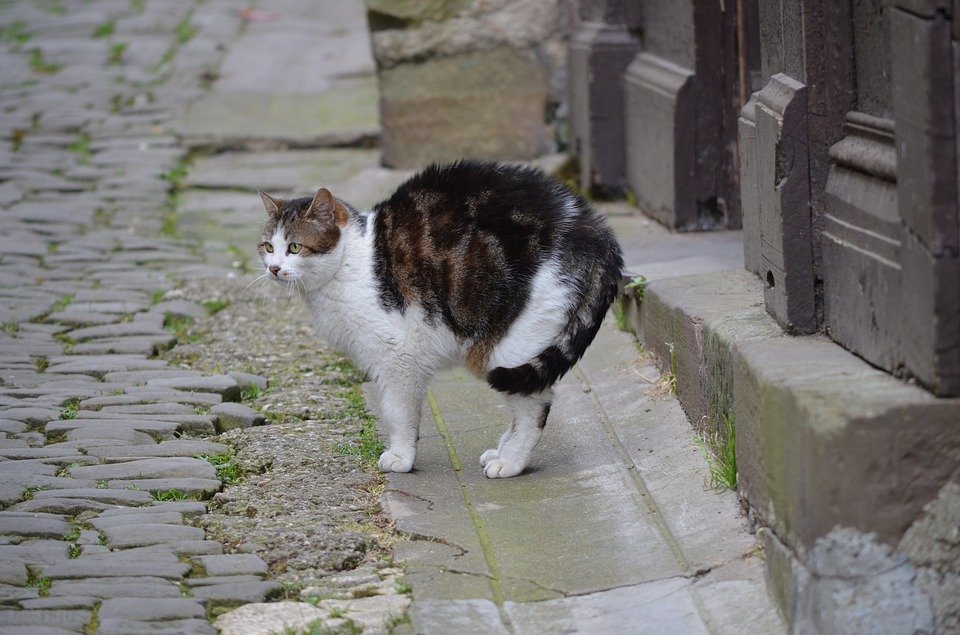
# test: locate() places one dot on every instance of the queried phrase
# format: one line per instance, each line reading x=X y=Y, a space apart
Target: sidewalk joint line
x=630 y=467
x=485 y=544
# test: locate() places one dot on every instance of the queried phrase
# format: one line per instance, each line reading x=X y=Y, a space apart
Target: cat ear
x=324 y=205
x=271 y=204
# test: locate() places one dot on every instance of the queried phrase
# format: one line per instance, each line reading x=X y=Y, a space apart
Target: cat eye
x=268 y=248
x=294 y=248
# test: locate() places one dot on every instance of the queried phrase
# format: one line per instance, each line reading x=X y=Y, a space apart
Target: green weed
x=62 y=303
x=228 y=470
x=179 y=326
x=215 y=305
x=638 y=285
x=67 y=342
x=42 y=585
x=70 y=409
x=39 y=64
x=117 y=50
x=81 y=147
x=170 y=495
x=11 y=329
x=157 y=296
x=15 y=34
x=720 y=451
x=42 y=364
x=185 y=31
x=250 y=392
x=106 y=29
x=366 y=444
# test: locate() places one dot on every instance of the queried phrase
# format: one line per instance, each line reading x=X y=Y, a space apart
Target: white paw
x=500 y=468
x=488 y=456
x=396 y=461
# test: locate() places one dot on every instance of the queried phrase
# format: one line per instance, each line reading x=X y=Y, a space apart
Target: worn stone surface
x=264 y=619
x=235 y=415
x=856 y=585
x=446 y=108
x=234 y=564
x=933 y=545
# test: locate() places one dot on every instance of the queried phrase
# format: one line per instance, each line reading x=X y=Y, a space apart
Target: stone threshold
x=836 y=458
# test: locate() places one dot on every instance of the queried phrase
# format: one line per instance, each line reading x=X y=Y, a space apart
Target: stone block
x=924 y=100
x=133 y=587
x=167 y=467
x=597 y=56
x=861 y=242
x=35 y=525
x=223 y=385
x=107 y=496
x=487 y=105
x=149 y=610
x=269 y=617
x=813 y=423
x=236 y=592
x=80 y=568
x=785 y=225
x=234 y=415
x=233 y=564
x=750 y=185
x=660 y=111
x=117 y=626
x=150 y=534
x=67 y=619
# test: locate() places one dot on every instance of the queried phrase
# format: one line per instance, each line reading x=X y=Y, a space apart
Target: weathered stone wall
x=481 y=78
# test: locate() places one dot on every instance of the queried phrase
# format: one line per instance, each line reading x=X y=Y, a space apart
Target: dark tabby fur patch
x=464 y=242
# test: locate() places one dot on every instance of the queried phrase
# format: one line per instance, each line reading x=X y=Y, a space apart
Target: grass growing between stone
x=179 y=326
x=719 y=448
x=228 y=470
x=40 y=65
x=175 y=176
x=365 y=444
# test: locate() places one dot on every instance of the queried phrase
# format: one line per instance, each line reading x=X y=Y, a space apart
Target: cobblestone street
x=104 y=466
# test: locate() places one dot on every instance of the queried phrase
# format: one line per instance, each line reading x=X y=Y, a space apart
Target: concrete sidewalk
x=613 y=527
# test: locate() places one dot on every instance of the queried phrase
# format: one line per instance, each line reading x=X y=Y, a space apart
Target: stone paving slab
x=327 y=93
x=550 y=550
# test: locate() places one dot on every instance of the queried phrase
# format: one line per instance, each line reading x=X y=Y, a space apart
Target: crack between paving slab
x=414 y=496
x=486 y=546
x=415 y=536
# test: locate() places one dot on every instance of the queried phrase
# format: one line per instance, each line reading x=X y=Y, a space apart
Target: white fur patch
x=541 y=321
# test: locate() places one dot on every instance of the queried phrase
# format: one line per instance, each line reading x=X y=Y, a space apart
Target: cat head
x=301 y=239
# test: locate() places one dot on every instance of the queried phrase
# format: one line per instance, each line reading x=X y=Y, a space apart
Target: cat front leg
x=400 y=401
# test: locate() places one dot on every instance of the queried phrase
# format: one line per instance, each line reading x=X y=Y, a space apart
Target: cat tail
x=553 y=363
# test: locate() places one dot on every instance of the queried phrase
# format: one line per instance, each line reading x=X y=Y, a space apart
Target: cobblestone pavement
x=103 y=457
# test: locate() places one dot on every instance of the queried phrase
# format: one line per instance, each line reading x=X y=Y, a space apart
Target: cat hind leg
x=516 y=445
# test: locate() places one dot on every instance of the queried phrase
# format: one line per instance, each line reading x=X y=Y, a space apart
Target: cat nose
x=274 y=269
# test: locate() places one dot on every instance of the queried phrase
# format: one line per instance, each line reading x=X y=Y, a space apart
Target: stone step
x=836 y=458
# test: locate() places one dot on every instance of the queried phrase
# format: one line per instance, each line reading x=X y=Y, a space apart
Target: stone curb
x=813 y=422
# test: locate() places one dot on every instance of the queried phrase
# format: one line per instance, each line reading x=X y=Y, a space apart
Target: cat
x=497 y=266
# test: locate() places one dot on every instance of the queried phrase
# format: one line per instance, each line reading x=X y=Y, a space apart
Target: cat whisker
x=257 y=279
